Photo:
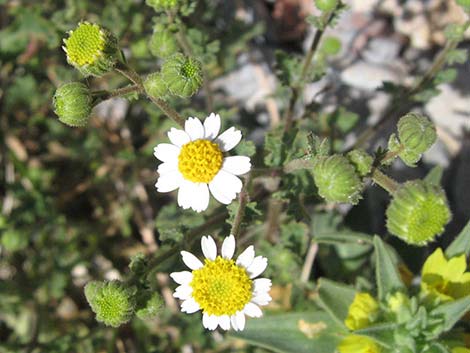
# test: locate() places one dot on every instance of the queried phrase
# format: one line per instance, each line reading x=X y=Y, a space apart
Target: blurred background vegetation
x=77 y=204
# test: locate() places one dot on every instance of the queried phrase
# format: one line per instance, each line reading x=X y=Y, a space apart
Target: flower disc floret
x=199 y=161
x=85 y=44
x=182 y=74
x=221 y=287
x=362 y=311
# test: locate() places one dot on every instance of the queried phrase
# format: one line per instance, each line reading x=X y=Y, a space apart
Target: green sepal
x=73 y=103
x=335 y=298
x=155 y=85
x=361 y=160
x=183 y=75
x=461 y=244
x=112 y=301
x=337 y=180
x=418 y=212
x=386 y=274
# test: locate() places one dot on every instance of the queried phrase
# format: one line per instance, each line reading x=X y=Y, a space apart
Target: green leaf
x=382 y=333
x=461 y=244
x=435 y=175
x=335 y=298
x=312 y=332
x=452 y=311
x=437 y=348
x=387 y=276
x=245 y=148
x=457 y=56
x=344 y=237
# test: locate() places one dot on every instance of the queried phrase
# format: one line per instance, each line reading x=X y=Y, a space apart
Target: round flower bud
x=91 y=49
x=416 y=134
x=183 y=75
x=337 y=180
x=465 y=4
x=112 y=302
x=418 y=212
x=162 y=43
x=361 y=160
x=155 y=85
x=326 y=5
x=160 y=5
x=73 y=103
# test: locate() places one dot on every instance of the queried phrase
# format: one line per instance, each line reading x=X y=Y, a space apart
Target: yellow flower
x=445 y=279
x=362 y=311
x=360 y=344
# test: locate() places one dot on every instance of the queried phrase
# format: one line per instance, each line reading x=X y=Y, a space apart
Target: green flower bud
x=162 y=43
x=161 y=5
x=326 y=5
x=112 y=302
x=91 y=49
x=361 y=160
x=464 y=3
x=73 y=103
x=155 y=85
x=416 y=134
x=183 y=75
x=331 y=46
x=150 y=304
x=337 y=180
x=138 y=264
x=418 y=212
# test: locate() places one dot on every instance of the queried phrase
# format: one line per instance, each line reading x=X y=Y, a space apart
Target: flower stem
x=298 y=164
x=243 y=199
x=384 y=181
x=104 y=95
x=298 y=87
x=404 y=102
x=134 y=77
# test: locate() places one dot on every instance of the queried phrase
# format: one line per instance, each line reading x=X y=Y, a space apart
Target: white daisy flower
x=194 y=163
x=223 y=289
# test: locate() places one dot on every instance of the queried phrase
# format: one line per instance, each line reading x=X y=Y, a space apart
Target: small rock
x=382 y=50
x=367 y=76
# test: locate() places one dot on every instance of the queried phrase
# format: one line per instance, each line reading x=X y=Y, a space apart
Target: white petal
x=166 y=152
x=237 y=165
x=191 y=261
x=257 y=266
x=228 y=247
x=224 y=322
x=194 y=128
x=169 y=181
x=178 y=137
x=185 y=194
x=210 y=322
x=183 y=292
x=211 y=126
x=229 y=139
x=199 y=197
x=261 y=285
x=225 y=187
x=261 y=299
x=209 y=249
x=167 y=167
x=240 y=320
x=233 y=321
x=246 y=258
x=252 y=310
x=183 y=277
x=189 y=306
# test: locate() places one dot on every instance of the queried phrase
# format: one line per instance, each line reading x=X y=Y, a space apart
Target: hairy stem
x=384 y=181
x=243 y=199
x=404 y=102
x=104 y=95
x=297 y=89
x=134 y=77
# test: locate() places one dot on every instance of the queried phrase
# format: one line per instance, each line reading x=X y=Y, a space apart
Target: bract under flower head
x=225 y=290
x=358 y=344
x=361 y=312
x=194 y=163
x=445 y=279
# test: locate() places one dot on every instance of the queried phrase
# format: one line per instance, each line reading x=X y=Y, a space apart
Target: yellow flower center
x=199 y=161
x=221 y=287
x=85 y=44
